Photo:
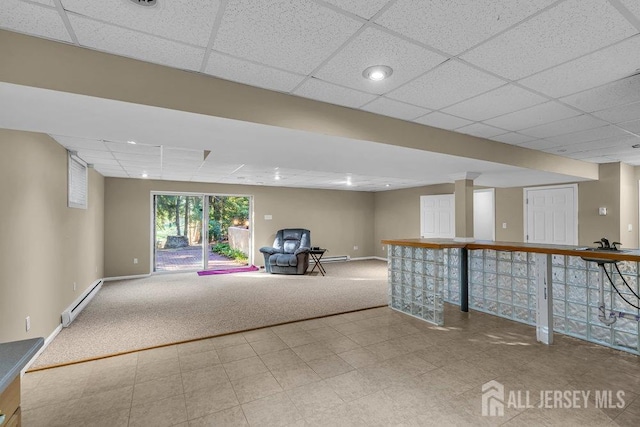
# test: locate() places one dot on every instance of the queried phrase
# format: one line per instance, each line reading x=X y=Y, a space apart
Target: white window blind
x=78 y=182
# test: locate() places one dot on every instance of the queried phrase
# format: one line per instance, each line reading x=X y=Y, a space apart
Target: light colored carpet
x=136 y=314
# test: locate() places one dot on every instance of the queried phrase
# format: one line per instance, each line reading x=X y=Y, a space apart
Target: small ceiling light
x=145 y=175
x=387 y=185
x=131 y=142
x=377 y=72
x=277 y=178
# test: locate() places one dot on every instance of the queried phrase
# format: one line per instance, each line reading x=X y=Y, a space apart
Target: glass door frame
x=205 y=225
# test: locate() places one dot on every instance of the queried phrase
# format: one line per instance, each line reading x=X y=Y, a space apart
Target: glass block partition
x=576 y=299
x=417 y=280
x=503 y=284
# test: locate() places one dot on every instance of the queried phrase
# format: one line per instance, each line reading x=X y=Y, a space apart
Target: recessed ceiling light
x=377 y=72
x=387 y=185
x=144 y=175
x=277 y=178
x=131 y=142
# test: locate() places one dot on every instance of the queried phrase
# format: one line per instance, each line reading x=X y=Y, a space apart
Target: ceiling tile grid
x=513 y=138
x=443 y=121
x=133 y=44
x=327 y=92
x=564 y=126
x=375 y=47
x=364 y=8
x=564 y=32
x=533 y=116
x=619 y=92
x=391 y=108
x=290 y=34
x=481 y=130
x=17 y=15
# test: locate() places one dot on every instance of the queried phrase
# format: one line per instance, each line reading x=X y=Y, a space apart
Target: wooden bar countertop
x=580 y=251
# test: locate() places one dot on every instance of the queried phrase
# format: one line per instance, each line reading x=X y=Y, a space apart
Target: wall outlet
x=27 y=323
x=74 y=286
x=135 y=260
x=504 y=225
x=268 y=217
x=355 y=248
x=629 y=227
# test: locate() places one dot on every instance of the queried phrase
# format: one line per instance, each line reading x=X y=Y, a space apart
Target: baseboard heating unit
x=74 y=309
x=335 y=258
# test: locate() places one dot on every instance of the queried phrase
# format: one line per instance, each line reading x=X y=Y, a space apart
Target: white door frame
x=525 y=194
x=493 y=192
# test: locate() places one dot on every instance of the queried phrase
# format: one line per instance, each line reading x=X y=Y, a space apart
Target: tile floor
x=369 y=368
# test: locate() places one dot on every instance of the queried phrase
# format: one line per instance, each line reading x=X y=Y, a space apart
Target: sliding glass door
x=200 y=232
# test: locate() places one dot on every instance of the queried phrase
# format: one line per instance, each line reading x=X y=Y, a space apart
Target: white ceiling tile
x=564 y=32
x=533 y=116
x=375 y=47
x=102 y=161
x=187 y=21
x=80 y=143
x=123 y=147
x=620 y=92
x=177 y=154
x=326 y=92
x=481 y=130
x=44 y=2
x=512 y=138
x=540 y=144
x=238 y=70
x=400 y=110
x=135 y=45
x=87 y=152
x=590 y=135
x=442 y=121
x=32 y=19
x=505 y=99
x=633 y=126
x=604 y=66
x=633 y=6
x=288 y=34
x=612 y=145
x=620 y=114
x=363 y=8
x=456 y=25
x=445 y=85
x=561 y=127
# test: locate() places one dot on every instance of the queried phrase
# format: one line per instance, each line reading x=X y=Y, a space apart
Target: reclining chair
x=290 y=252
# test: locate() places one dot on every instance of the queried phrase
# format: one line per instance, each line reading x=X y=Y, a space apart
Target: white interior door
x=484 y=214
x=552 y=215
x=437 y=216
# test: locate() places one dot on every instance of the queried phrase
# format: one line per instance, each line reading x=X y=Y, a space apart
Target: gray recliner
x=290 y=252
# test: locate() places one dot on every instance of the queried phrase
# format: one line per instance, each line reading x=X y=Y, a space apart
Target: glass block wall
x=503 y=284
x=416 y=281
x=451 y=260
x=576 y=299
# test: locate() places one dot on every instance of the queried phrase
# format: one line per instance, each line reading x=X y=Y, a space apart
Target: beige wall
x=397 y=213
x=628 y=206
x=45 y=246
x=338 y=220
x=594 y=194
x=510 y=210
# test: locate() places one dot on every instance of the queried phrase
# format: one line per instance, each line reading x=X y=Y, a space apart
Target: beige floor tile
x=627 y=419
x=293 y=376
x=352 y=385
x=66 y=377
x=156 y=354
x=52 y=394
x=192 y=361
x=151 y=391
x=336 y=320
x=445 y=382
x=351 y=328
x=236 y=352
x=329 y=366
x=387 y=349
x=30 y=380
x=54 y=415
x=369 y=337
x=275 y=410
x=287 y=328
x=130 y=359
x=165 y=412
x=313 y=399
x=295 y=339
x=106 y=402
x=308 y=325
x=110 y=379
x=157 y=369
x=325 y=333
x=281 y=359
x=341 y=344
x=336 y=416
x=199 y=346
x=468 y=373
x=312 y=351
x=258 y=335
x=205 y=401
x=227 y=418
x=378 y=408
x=359 y=357
x=204 y=378
x=228 y=341
x=268 y=345
x=112 y=419
x=255 y=387
x=245 y=368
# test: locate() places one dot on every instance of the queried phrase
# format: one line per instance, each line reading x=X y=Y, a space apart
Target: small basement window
x=78 y=182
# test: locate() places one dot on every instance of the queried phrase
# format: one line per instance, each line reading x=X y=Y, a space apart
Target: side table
x=316 y=256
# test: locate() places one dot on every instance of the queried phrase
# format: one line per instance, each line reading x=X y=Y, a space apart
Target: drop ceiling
x=557 y=76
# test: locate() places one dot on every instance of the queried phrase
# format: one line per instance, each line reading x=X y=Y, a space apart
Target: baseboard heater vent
x=74 y=309
x=335 y=258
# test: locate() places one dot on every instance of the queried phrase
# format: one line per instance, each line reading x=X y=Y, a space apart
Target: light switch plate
x=602 y=211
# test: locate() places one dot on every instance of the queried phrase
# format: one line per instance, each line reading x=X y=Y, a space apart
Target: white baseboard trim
x=47 y=341
x=135 y=276
x=364 y=258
